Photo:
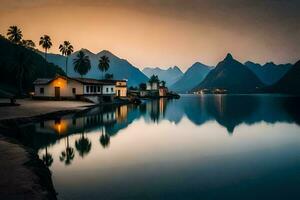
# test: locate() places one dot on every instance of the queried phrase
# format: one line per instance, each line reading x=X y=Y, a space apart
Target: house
x=163 y=91
x=121 y=88
x=152 y=85
x=62 y=87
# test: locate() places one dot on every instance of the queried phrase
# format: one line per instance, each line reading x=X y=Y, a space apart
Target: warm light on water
x=208 y=147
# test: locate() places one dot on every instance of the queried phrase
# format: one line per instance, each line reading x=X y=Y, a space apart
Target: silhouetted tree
x=154 y=79
x=47 y=158
x=143 y=86
x=14 y=34
x=83 y=145
x=163 y=83
x=104 y=139
x=68 y=154
x=45 y=42
x=103 y=64
x=109 y=76
x=22 y=66
x=28 y=44
x=82 y=63
x=66 y=49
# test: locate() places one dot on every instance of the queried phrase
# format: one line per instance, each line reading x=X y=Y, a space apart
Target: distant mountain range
x=269 y=73
x=120 y=68
x=191 y=78
x=289 y=83
x=170 y=75
x=232 y=76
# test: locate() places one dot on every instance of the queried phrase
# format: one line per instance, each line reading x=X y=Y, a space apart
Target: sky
x=164 y=33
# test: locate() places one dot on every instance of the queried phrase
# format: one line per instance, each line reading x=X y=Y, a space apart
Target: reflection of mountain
x=227 y=110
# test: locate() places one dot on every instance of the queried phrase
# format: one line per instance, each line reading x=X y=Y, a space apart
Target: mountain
x=232 y=76
x=289 y=83
x=170 y=75
x=34 y=66
x=120 y=68
x=191 y=78
x=269 y=73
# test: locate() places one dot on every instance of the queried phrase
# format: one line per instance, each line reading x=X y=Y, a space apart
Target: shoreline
x=38 y=184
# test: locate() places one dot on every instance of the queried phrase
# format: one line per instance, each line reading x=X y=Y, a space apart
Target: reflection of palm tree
x=68 y=155
x=83 y=145
x=47 y=158
x=104 y=139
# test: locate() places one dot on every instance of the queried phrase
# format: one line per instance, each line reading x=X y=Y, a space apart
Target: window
x=106 y=89
x=112 y=89
x=42 y=125
x=87 y=89
x=74 y=90
x=74 y=121
x=41 y=90
x=98 y=88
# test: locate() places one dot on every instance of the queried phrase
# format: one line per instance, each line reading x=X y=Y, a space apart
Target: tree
x=83 y=145
x=47 y=158
x=45 y=42
x=103 y=64
x=68 y=154
x=154 y=79
x=29 y=44
x=66 y=49
x=14 y=34
x=163 y=83
x=109 y=76
x=143 y=86
x=82 y=63
x=22 y=65
x=104 y=139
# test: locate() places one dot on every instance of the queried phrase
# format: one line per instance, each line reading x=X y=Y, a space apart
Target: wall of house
x=66 y=88
x=121 y=91
x=109 y=89
x=152 y=86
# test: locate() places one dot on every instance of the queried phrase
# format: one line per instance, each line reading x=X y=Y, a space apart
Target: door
x=119 y=93
x=57 y=93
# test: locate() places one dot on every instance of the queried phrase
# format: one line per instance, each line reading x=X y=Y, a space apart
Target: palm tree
x=66 y=49
x=47 y=159
x=14 y=34
x=28 y=44
x=104 y=139
x=103 y=64
x=83 y=145
x=45 y=42
x=82 y=63
x=68 y=154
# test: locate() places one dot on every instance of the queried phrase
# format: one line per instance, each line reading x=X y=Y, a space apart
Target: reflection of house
x=70 y=88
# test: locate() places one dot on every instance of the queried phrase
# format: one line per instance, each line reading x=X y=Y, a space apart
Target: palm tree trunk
x=67 y=66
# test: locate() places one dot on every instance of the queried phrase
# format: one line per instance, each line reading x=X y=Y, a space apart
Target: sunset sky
x=164 y=33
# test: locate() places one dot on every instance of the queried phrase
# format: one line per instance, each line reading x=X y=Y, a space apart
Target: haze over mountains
x=120 y=68
x=170 y=75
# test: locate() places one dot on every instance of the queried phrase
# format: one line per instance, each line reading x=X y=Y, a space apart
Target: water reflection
x=228 y=111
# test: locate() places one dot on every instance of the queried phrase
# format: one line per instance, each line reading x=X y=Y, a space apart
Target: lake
x=197 y=147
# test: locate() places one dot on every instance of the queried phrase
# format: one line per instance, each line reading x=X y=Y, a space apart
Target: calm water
x=197 y=147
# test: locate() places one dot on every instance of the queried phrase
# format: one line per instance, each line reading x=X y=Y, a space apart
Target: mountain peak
x=229 y=57
x=105 y=52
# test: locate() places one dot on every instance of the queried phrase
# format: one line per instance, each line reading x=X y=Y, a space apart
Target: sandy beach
x=30 y=108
